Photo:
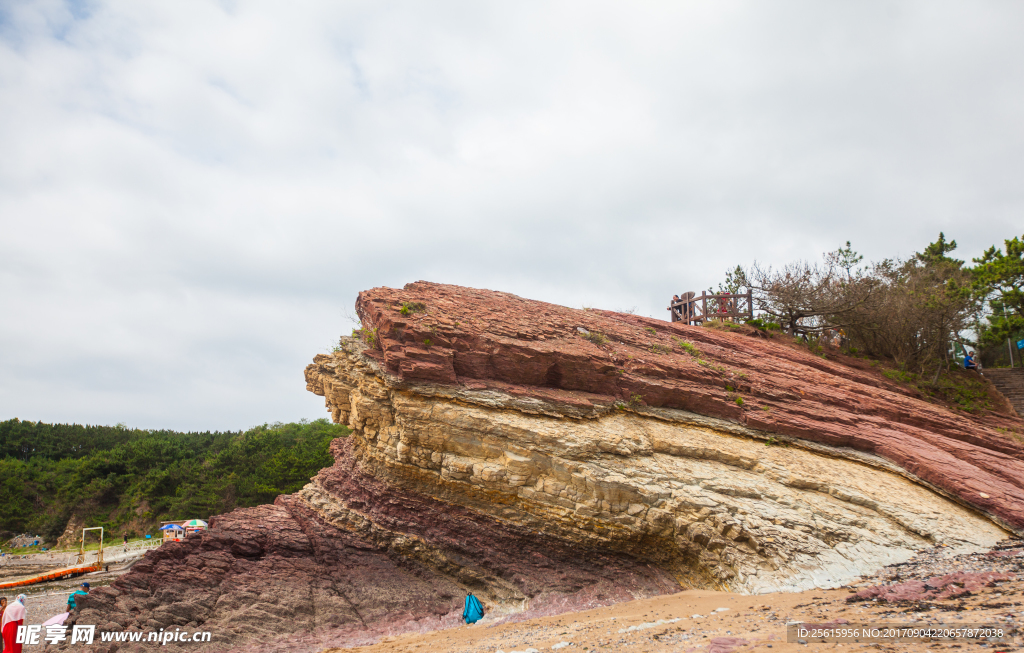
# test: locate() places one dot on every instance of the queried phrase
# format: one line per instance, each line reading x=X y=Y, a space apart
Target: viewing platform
x=693 y=309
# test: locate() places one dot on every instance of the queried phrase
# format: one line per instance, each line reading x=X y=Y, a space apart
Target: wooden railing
x=691 y=308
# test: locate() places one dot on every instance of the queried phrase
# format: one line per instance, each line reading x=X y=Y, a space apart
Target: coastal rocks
x=933 y=589
x=549 y=459
x=71 y=537
x=939 y=574
x=586 y=361
x=264 y=572
x=315 y=570
x=714 y=503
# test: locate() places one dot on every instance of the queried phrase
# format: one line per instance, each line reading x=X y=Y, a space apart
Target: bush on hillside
x=910 y=312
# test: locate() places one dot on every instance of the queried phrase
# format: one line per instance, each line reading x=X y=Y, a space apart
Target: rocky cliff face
x=548 y=459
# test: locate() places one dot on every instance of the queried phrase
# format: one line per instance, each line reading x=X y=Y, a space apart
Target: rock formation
x=547 y=459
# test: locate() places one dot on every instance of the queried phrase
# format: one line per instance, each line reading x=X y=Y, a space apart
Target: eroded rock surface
x=481 y=339
x=549 y=459
x=350 y=559
x=705 y=499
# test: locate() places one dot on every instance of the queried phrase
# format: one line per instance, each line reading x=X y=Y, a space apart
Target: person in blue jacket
x=473 y=612
x=971 y=363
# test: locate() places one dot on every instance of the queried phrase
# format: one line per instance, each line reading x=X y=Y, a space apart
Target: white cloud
x=192 y=194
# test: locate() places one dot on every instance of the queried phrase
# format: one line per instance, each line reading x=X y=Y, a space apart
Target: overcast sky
x=193 y=193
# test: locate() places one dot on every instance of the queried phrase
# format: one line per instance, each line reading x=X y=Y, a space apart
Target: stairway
x=1010 y=382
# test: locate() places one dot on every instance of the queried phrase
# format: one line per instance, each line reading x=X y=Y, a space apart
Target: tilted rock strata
x=481 y=339
x=699 y=497
x=263 y=573
x=497 y=450
x=350 y=559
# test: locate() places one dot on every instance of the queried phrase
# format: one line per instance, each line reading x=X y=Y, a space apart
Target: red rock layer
x=933 y=589
x=590 y=358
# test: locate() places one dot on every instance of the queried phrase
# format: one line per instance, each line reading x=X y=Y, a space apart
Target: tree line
x=913 y=312
x=131 y=479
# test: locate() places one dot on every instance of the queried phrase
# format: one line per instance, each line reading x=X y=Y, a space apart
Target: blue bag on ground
x=473 y=612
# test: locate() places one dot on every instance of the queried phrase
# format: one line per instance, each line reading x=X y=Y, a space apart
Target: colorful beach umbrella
x=193 y=523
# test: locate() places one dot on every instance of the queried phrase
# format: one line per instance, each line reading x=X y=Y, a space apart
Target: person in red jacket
x=14 y=616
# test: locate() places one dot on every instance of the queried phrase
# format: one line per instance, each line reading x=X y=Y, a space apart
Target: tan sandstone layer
x=704 y=498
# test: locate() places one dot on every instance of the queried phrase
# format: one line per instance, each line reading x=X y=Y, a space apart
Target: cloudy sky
x=192 y=193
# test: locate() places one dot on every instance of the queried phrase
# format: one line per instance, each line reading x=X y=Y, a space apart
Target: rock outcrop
x=547 y=459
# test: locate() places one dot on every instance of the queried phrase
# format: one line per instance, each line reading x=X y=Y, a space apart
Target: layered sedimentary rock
x=547 y=459
x=314 y=571
x=588 y=359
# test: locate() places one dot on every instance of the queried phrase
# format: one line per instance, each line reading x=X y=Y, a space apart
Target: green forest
x=129 y=480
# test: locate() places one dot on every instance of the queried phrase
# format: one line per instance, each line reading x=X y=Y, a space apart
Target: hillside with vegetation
x=917 y=315
x=129 y=480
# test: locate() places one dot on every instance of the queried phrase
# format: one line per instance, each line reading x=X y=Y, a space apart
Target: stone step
x=1010 y=383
